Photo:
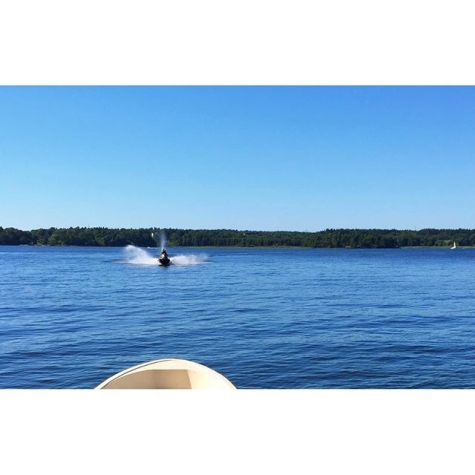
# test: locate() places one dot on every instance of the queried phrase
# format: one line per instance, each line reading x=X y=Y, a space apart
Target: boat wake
x=189 y=259
x=137 y=256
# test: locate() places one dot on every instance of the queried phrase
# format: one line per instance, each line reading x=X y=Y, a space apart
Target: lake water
x=70 y=317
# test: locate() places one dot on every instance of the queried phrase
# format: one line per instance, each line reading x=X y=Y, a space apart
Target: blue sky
x=237 y=157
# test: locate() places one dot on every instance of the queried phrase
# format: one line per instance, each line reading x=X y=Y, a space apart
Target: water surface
x=70 y=317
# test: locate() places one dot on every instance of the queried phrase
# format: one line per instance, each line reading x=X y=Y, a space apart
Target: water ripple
x=266 y=318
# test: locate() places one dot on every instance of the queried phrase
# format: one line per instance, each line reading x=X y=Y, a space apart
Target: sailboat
x=454 y=246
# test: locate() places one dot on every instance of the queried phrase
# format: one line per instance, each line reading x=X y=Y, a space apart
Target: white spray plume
x=163 y=240
x=135 y=255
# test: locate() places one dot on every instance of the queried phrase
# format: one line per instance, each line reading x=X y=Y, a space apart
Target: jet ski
x=163 y=258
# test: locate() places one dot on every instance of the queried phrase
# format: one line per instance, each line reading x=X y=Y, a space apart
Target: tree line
x=148 y=237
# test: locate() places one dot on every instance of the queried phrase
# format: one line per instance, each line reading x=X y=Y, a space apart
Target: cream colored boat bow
x=167 y=374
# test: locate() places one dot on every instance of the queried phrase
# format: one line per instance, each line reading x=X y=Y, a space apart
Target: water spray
x=163 y=240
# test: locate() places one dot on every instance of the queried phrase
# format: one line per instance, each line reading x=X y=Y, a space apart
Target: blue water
x=70 y=317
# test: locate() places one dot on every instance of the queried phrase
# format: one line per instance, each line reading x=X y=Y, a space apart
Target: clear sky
x=237 y=157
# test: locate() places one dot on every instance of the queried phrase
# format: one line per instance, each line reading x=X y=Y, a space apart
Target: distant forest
x=147 y=237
